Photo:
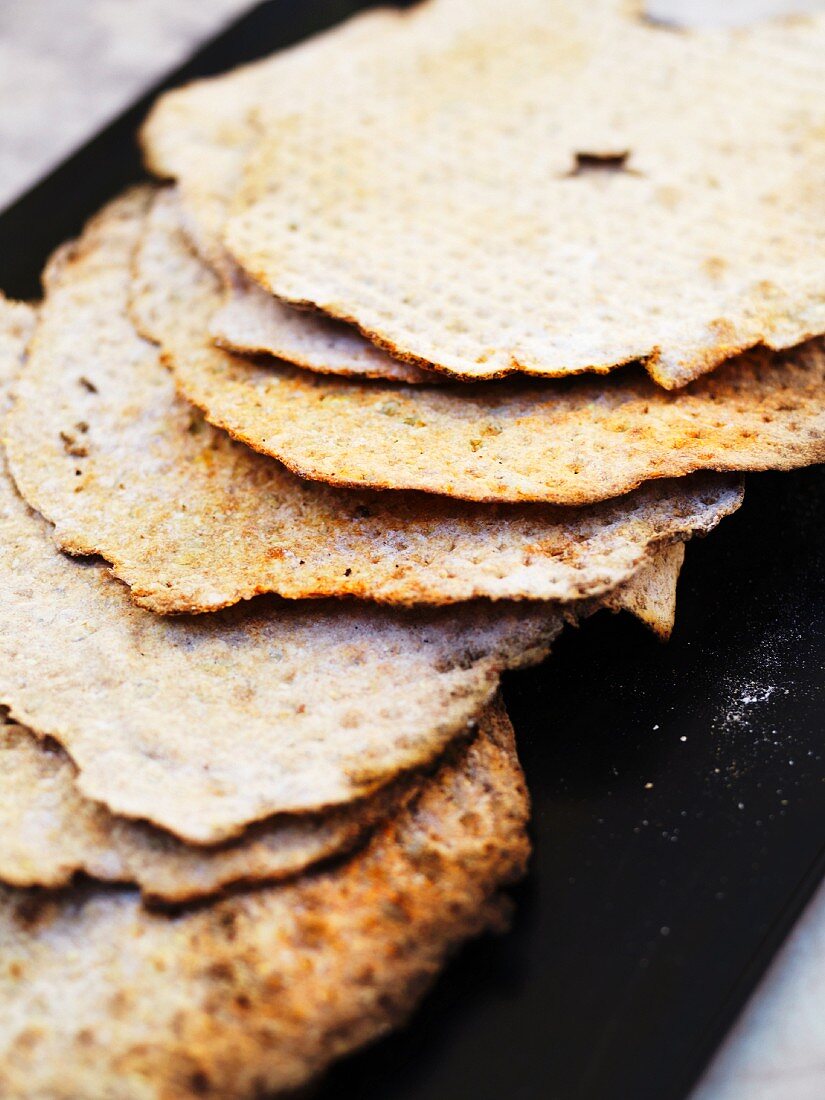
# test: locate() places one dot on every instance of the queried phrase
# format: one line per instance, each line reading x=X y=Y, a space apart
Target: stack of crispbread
x=262 y=566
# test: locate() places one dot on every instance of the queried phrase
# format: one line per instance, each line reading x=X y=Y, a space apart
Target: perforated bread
x=193 y=522
x=551 y=187
x=51 y=833
x=200 y=135
x=252 y=321
x=259 y=993
x=205 y=725
x=567 y=442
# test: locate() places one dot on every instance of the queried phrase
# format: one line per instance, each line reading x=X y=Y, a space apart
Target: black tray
x=679 y=819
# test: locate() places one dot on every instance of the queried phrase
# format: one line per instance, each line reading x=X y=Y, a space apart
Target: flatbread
x=51 y=833
x=257 y=994
x=551 y=187
x=650 y=594
x=567 y=442
x=205 y=725
x=201 y=134
x=193 y=522
x=251 y=320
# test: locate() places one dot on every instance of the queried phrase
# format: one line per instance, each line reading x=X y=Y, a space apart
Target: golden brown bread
x=565 y=441
x=193 y=522
x=256 y=994
x=172 y=719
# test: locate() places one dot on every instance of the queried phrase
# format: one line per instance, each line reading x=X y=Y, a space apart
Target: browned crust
x=255 y=995
x=611 y=484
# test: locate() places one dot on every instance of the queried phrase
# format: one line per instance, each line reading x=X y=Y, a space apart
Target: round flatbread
x=205 y=725
x=194 y=522
x=255 y=995
x=51 y=833
x=550 y=187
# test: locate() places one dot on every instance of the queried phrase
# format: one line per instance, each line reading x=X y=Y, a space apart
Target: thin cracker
x=205 y=725
x=201 y=134
x=252 y=321
x=650 y=594
x=259 y=993
x=51 y=833
x=456 y=201
x=566 y=442
x=193 y=522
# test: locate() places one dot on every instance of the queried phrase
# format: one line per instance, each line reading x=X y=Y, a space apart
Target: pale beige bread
x=205 y=725
x=566 y=442
x=551 y=187
x=201 y=135
x=252 y=321
x=253 y=996
x=172 y=720
x=51 y=832
x=17 y=323
x=650 y=594
x=192 y=521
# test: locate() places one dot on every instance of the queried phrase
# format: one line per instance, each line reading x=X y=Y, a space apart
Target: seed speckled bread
x=172 y=719
x=551 y=187
x=200 y=135
x=204 y=726
x=258 y=993
x=51 y=833
x=193 y=522
x=568 y=441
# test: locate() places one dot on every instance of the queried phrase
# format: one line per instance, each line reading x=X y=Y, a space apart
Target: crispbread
x=551 y=187
x=258 y=993
x=51 y=833
x=193 y=522
x=201 y=134
x=567 y=441
x=251 y=320
x=650 y=594
x=203 y=726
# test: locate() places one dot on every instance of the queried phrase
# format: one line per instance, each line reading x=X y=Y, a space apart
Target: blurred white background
x=66 y=67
